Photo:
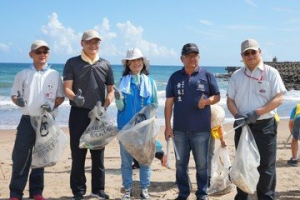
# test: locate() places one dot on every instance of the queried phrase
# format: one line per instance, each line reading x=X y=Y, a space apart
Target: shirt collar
x=87 y=59
x=45 y=68
x=197 y=70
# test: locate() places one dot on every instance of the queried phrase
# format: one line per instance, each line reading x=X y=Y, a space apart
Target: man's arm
x=209 y=101
x=14 y=99
x=271 y=105
x=58 y=101
x=231 y=106
x=109 y=97
x=168 y=114
x=68 y=89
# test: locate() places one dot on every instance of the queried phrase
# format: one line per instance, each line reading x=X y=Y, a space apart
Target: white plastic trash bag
x=100 y=131
x=219 y=182
x=50 y=141
x=244 y=173
x=138 y=135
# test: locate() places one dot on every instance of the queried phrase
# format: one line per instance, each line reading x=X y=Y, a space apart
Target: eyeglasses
x=41 y=52
x=247 y=53
x=92 y=42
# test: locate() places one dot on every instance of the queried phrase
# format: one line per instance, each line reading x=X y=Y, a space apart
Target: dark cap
x=189 y=48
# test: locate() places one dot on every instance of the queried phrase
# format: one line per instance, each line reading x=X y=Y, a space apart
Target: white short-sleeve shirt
x=37 y=88
x=253 y=90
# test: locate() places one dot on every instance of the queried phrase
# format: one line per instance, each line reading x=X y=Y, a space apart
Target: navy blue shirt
x=187 y=90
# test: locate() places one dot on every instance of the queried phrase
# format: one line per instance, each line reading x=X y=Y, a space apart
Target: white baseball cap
x=37 y=44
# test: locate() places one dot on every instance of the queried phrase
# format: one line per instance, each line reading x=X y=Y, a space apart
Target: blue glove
x=240 y=119
x=20 y=100
x=252 y=117
x=118 y=94
x=78 y=99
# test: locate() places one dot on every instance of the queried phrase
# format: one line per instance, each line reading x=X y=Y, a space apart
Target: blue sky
x=158 y=27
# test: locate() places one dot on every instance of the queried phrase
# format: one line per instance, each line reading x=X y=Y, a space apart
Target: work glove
x=46 y=107
x=118 y=94
x=240 y=119
x=78 y=99
x=252 y=117
x=20 y=100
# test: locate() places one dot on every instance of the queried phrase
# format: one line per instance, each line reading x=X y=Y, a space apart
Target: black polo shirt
x=91 y=79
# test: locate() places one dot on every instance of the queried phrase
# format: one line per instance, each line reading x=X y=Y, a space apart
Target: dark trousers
x=78 y=122
x=265 y=135
x=21 y=158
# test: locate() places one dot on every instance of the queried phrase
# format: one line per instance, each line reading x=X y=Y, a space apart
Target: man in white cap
x=254 y=93
x=32 y=99
x=87 y=80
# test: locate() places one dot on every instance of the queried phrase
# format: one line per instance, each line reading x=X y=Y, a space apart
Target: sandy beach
x=162 y=180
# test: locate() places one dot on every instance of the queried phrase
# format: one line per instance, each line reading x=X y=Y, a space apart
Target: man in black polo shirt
x=87 y=79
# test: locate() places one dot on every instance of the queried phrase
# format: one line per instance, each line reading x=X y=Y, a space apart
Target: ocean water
x=10 y=115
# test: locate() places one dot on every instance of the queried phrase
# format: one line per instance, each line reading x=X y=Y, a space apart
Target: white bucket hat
x=133 y=54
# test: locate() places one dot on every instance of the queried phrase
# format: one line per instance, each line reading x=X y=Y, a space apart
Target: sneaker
x=100 y=195
x=77 y=197
x=292 y=162
x=37 y=197
x=127 y=195
x=14 y=198
x=181 y=198
x=144 y=194
x=202 y=198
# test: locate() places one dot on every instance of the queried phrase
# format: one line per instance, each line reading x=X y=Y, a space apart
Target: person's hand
x=168 y=133
x=20 y=100
x=118 y=94
x=78 y=99
x=201 y=102
x=252 y=117
x=240 y=119
x=46 y=107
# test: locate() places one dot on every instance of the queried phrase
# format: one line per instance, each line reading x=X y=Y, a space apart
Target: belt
x=262 y=121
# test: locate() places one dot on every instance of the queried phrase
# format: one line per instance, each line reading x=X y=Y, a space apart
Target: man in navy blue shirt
x=190 y=92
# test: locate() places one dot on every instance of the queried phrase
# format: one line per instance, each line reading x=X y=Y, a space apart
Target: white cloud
x=205 y=22
x=251 y=3
x=64 y=39
x=4 y=47
x=108 y=37
x=133 y=37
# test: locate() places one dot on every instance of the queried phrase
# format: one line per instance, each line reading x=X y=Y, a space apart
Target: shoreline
x=162 y=179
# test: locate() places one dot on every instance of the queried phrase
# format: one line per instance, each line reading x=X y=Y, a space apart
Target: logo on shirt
x=262 y=91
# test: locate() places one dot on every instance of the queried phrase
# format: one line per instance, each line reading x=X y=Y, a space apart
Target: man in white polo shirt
x=254 y=93
x=35 y=89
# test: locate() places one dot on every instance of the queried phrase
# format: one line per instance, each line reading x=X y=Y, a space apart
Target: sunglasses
x=41 y=52
x=92 y=42
x=247 y=53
